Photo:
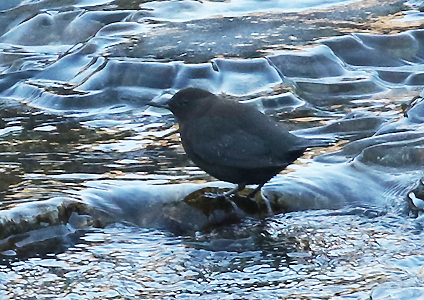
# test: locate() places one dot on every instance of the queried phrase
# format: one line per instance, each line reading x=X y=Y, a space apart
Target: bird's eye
x=185 y=102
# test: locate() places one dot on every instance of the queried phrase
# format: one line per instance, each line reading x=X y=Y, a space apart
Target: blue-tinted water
x=99 y=200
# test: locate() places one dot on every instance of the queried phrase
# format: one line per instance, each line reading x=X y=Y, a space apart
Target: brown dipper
x=232 y=141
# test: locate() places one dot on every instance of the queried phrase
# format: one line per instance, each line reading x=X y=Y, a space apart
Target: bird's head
x=187 y=102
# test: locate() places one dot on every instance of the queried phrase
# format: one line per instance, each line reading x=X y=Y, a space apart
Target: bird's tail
x=304 y=142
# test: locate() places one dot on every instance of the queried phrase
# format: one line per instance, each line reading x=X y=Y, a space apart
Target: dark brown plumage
x=231 y=141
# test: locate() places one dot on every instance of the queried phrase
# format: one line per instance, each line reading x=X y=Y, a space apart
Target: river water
x=99 y=201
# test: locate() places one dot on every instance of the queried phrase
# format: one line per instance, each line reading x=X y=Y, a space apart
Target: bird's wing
x=238 y=148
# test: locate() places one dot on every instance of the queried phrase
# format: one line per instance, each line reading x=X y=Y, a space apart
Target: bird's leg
x=235 y=190
x=267 y=203
x=227 y=195
x=257 y=189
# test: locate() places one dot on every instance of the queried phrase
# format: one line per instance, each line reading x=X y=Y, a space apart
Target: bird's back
x=232 y=141
x=237 y=135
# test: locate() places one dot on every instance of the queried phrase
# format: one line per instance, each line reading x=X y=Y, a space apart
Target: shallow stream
x=99 y=201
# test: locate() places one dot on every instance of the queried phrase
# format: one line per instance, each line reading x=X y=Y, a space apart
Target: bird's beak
x=156 y=104
x=161 y=101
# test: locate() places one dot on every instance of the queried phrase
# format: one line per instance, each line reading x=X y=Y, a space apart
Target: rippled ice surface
x=98 y=200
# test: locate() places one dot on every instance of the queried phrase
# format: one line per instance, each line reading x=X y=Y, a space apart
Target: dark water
x=98 y=200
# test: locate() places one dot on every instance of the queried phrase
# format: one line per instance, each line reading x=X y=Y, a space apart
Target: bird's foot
x=227 y=196
x=247 y=204
x=238 y=204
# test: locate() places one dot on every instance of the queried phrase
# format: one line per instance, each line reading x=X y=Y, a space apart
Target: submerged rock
x=35 y=222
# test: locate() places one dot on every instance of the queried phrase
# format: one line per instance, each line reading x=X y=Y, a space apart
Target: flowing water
x=99 y=201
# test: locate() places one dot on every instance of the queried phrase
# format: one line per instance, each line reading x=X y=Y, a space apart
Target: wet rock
x=181 y=208
x=16 y=223
x=147 y=206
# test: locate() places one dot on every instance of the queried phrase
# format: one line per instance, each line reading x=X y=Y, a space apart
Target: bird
x=232 y=141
